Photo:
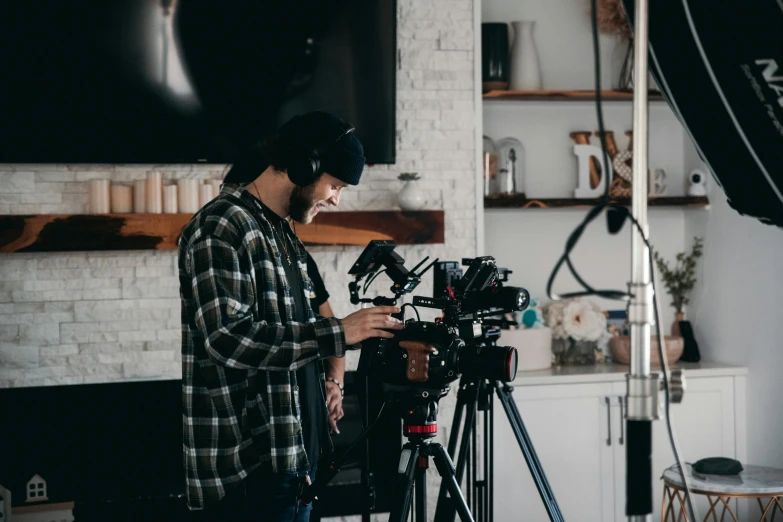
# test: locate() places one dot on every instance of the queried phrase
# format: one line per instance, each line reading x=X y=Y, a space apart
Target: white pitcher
x=525 y=71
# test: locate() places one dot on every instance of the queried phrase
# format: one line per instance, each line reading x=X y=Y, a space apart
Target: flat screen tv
x=188 y=81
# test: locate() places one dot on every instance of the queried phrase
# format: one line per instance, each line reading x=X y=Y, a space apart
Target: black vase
x=691 y=351
x=494 y=56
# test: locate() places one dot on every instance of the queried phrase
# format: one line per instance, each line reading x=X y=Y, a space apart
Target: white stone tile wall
x=69 y=318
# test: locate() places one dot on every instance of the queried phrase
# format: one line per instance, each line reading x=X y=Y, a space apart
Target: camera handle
x=307 y=493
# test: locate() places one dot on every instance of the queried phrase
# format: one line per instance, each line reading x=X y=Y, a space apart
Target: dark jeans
x=261 y=498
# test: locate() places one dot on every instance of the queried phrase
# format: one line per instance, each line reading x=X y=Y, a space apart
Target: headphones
x=304 y=165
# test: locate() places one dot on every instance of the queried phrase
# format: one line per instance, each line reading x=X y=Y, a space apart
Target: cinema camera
x=455 y=341
x=460 y=342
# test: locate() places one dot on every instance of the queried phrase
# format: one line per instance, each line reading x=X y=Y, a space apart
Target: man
x=254 y=407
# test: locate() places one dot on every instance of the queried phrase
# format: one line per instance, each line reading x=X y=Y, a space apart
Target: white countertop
x=617 y=372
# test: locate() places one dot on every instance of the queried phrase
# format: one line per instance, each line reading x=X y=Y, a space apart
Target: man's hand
x=334 y=405
x=368 y=322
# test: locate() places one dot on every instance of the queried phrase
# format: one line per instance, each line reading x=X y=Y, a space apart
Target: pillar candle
x=206 y=193
x=154 y=193
x=187 y=193
x=215 y=186
x=140 y=196
x=170 y=199
x=121 y=199
x=99 y=196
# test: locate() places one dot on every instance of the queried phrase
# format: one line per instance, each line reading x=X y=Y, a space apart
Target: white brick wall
x=105 y=316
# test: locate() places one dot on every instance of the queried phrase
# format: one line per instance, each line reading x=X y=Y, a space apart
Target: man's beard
x=302 y=203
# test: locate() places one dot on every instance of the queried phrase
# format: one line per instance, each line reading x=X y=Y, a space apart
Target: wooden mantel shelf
x=72 y=233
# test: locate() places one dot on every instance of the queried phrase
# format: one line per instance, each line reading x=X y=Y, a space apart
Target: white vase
x=525 y=70
x=410 y=197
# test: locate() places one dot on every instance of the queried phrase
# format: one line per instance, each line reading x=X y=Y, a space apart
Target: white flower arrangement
x=577 y=321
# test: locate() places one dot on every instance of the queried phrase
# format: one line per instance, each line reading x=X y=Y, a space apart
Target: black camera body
x=384 y=358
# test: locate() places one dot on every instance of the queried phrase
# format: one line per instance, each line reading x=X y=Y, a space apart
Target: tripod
x=477 y=394
x=419 y=413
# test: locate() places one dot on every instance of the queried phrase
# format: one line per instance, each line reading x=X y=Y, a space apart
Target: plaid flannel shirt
x=240 y=399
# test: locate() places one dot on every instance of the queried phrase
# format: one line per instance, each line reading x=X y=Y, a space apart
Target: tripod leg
x=365 y=476
x=406 y=472
x=421 y=489
x=466 y=399
x=483 y=492
x=446 y=471
x=490 y=453
x=526 y=445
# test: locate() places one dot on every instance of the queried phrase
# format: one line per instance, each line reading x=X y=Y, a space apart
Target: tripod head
x=418 y=409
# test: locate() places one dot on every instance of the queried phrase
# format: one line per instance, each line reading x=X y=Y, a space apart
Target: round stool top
x=752 y=480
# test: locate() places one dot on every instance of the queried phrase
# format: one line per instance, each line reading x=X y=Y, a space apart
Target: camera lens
x=497 y=363
x=695 y=178
x=504 y=297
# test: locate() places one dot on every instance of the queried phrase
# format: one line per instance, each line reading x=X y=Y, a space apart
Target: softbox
x=719 y=66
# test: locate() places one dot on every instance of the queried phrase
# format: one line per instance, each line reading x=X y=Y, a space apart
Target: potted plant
x=612 y=21
x=680 y=279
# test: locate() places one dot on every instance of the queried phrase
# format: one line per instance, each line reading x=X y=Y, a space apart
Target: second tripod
x=474 y=395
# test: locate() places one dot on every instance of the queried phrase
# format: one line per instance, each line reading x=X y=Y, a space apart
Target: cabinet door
x=704 y=426
x=568 y=426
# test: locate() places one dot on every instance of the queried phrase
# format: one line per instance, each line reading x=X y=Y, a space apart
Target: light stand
x=642 y=386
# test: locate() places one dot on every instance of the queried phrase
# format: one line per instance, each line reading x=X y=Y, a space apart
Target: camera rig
x=415 y=376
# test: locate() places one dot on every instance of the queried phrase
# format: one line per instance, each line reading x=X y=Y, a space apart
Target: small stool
x=754 y=482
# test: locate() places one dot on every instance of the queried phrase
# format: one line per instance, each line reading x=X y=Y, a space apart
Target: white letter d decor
x=583 y=155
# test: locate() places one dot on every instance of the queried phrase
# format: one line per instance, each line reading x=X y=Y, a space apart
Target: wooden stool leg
x=778 y=507
x=683 y=510
x=712 y=511
x=770 y=505
x=668 y=494
x=664 y=508
x=727 y=507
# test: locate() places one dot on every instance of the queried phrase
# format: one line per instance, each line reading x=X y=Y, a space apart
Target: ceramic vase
x=410 y=197
x=494 y=56
x=525 y=69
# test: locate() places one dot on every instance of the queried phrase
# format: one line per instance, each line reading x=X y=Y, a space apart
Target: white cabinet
x=568 y=426
x=578 y=432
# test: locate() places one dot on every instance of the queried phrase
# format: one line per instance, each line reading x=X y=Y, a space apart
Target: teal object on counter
x=529 y=318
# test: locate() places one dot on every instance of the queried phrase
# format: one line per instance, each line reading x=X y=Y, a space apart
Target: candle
x=140 y=196
x=206 y=194
x=121 y=199
x=215 y=183
x=187 y=193
x=154 y=193
x=99 y=196
x=170 y=199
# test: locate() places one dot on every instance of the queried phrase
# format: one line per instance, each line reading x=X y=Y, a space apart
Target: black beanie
x=344 y=159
